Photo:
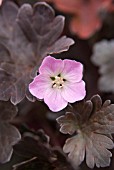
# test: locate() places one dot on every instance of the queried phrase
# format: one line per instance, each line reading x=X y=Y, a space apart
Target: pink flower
x=59 y=82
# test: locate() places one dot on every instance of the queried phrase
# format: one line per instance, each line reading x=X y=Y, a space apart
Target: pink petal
x=73 y=71
x=1 y=2
x=39 y=86
x=73 y=92
x=54 y=100
x=51 y=66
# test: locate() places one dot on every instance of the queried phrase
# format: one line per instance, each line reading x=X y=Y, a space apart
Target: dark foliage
x=27 y=35
x=9 y=135
x=94 y=124
x=39 y=154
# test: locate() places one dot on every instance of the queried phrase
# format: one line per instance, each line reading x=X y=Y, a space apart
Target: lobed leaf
x=67 y=123
x=8 y=13
x=9 y=135
x=34 y=33
x=75 y=146
x=94 y=132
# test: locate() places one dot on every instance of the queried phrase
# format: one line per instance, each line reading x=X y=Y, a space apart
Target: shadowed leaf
x=9 y=135
x=39 y=154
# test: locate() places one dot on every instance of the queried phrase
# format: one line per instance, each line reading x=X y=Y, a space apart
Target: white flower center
x=58 y=81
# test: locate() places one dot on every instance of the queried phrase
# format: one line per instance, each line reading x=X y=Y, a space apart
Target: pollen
x=58 y=81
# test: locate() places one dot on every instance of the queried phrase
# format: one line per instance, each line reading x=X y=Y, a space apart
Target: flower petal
x=54 y=99
x=74 y=92
x=39 y=86
x=73 y=70
x=51 y=66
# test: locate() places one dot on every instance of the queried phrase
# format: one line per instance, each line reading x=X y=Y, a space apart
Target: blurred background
x=87 y=22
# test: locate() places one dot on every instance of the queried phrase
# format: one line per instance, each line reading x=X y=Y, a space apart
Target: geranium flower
x=85 y=14
x=59 y=82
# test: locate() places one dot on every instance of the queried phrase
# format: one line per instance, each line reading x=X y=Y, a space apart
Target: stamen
x=64 y=79
x=58 y=81
x=52 y=78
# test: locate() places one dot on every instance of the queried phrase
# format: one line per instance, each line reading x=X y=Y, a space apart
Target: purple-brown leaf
x=67 y=123
x=95 y=125
x=39 y=154
x=34 y=33
x=9 y=135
